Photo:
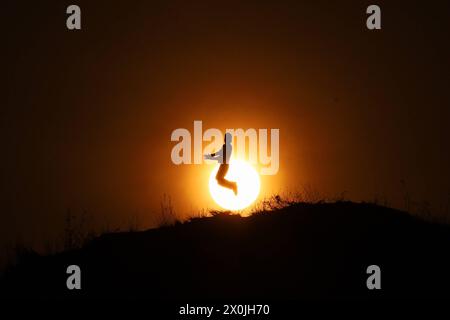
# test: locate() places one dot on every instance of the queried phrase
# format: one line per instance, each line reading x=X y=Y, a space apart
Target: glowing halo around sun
x=248 y=186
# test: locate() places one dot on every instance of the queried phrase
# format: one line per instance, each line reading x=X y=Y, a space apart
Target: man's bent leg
x=220 y=177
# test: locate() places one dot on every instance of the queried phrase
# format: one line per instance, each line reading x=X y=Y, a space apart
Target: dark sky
x=86 y=115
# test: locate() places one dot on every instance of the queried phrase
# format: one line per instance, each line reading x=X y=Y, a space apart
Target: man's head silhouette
x=228 y=138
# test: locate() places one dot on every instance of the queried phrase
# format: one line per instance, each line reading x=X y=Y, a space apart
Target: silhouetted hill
x=301 y=251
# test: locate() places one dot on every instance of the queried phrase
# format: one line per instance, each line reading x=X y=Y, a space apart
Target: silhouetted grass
x=290 y=249
x=78 y=230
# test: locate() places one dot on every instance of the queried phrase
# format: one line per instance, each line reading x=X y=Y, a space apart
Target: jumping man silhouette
x=223 y=157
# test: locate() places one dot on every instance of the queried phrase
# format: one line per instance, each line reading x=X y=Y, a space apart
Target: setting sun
x=248 y=186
